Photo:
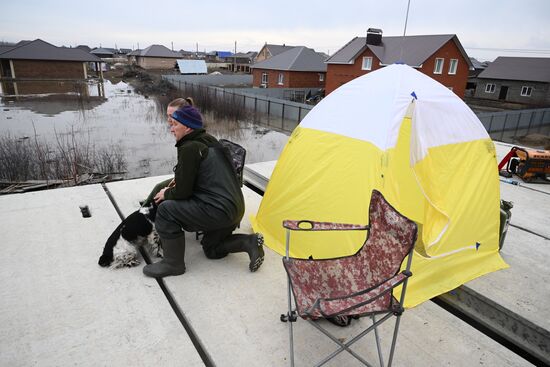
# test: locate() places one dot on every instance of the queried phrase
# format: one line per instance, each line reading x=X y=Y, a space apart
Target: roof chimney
x=374 y=36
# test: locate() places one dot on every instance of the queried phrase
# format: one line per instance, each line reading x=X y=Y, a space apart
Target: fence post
x=179 y=84
x=299 y=113
x=268 y=111
x=503 y=127
x=530 y=122
x=542 y=120
x=283 y=118
x=491 y=124
x=517 y=125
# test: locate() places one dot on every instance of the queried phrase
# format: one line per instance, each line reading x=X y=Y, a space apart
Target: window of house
x=490 y=88
x=438 y=68
x=281 y=79
x=367 y=63
x=452 y=66
x=526 y=91
x=321 y=77
x=264 y=78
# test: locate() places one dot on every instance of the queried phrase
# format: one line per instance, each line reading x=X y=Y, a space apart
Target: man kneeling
x=204 y=195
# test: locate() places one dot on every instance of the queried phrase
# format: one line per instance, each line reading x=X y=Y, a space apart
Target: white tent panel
x=376 y=103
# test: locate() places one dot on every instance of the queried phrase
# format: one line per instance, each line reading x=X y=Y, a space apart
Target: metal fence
x=507 y=126
x=283 y=115
x=275 y=113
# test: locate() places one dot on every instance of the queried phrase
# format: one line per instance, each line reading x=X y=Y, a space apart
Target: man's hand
x=159 y=197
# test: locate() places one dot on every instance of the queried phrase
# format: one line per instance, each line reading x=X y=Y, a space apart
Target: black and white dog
x=137 y=230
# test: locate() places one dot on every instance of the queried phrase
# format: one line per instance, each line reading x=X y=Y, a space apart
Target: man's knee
x=213 y=252
x=165 y=224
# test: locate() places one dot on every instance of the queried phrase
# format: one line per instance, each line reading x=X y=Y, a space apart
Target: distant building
x=241 y=62
x=441 y=57
x=154 y=57
x=298 y=67
x=124 y=51
x=192 y=67
x=84 y=48
x=477 y=66
x=40 y=60
x=516 y=79
x=103 y=53
x=270 y=50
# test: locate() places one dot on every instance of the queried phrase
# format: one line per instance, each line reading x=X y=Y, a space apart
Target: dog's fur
x=137 y=230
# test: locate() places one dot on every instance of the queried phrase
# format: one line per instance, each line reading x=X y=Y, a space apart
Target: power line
x=526 y=50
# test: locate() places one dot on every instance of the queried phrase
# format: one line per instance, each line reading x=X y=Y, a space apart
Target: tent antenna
x=404 y=30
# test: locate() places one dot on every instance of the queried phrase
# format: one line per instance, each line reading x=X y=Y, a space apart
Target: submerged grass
x=69 y=158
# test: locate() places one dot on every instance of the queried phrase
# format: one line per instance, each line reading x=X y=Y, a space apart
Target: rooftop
x=534 y=69
x=411 y=50
x=60 y=308
x=298 y=58
x=41 y=50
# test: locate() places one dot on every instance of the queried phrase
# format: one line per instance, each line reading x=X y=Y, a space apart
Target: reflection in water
x=53 y=97
x=117 y=115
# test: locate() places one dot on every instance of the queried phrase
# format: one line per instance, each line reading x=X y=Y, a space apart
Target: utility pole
x=172 y=45
x=235 y=58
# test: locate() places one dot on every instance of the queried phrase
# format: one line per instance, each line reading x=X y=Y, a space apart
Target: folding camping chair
x=323 y=288
x=238 y=157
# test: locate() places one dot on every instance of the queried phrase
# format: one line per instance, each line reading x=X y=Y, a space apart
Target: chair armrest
x=340 y=305
x=309 y=225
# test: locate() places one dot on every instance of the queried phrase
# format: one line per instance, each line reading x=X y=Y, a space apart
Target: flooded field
x=114 y=115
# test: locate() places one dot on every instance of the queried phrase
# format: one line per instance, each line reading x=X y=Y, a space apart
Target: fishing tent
x=400 y=132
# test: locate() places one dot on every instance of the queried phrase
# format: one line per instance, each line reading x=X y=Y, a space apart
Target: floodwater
x=114 y=114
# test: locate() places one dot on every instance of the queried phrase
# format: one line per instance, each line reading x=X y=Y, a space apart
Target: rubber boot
x=173 y=262
x=249 y=243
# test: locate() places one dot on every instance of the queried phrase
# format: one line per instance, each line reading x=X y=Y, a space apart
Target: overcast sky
x=323 y=25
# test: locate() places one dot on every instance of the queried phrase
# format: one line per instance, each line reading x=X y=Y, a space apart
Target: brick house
x=154 y=57
x=516 y=79
x=40 y=60
x=441 y=57
x=298 y=67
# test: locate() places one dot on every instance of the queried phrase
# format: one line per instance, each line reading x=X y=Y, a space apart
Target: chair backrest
x=390 y=239
x=238 y=157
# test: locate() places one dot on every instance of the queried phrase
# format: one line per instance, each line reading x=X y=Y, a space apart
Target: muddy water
x=114 y=114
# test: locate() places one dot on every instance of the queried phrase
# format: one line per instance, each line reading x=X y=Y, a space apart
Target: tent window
x=281 y=79
x=438 y=68
x=490 y=88
x=367 y=63
x=452 y=66
x=526 y=91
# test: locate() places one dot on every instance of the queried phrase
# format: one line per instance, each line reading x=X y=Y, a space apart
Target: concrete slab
x=59 y=308
x=235 y=314
x=258 y=174
x=514 y=302
x=531 y=208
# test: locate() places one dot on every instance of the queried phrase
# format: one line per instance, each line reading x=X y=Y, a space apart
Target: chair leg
x=290 y=321
x=394 y=339
x=373 y=317
x=343 y=346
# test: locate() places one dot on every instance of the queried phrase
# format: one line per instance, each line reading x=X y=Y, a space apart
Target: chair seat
x=326 y=288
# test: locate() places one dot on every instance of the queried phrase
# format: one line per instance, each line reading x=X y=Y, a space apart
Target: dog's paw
x=105 y=260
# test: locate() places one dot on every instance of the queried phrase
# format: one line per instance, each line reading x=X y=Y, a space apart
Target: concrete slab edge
x=193 y=336
x=515 y=329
